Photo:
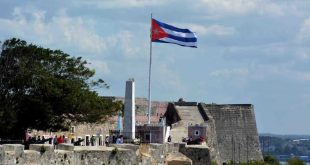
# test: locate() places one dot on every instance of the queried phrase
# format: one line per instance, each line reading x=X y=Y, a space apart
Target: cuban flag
x=162 y=32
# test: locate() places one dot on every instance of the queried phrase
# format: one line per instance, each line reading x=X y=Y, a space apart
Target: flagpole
x=150 y=69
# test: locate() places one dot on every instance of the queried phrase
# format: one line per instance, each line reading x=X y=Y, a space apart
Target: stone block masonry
x=129 y=110
x=16 y=149
x=200 y=155
x=235 y=130
x=123 y=154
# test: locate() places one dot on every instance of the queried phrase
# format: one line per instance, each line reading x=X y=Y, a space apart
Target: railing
x=9 y=141
x=146 y=136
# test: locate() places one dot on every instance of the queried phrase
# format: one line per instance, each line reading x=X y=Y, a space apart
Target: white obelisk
x=129 y=128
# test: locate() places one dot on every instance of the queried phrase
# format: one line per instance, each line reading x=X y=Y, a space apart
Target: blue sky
x=249 y=51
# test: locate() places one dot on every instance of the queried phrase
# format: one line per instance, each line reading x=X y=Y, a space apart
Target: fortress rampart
x=116 y=154
x=232 y=132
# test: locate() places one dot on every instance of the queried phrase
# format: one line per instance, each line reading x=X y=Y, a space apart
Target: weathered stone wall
x=80 y=130
x=93 y=129
x=211 y=136
x=79 y=156
x=199 y=155
x=197 y=131
x=236 y=131
x=125 y=154
x=156 y=133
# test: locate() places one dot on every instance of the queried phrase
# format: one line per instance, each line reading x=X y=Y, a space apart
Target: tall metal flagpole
x=150 y=69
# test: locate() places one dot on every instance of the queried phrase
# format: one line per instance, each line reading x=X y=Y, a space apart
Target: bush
x=42 y=150
x=115 y=151
x=295 y=161
x=271 y=160
x=213 y=162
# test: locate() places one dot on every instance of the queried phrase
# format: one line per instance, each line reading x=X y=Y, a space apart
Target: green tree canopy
x=271 y=160
x=46 y=89
x=295 y=161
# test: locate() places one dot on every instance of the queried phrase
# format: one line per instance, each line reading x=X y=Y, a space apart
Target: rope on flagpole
x=150 y=69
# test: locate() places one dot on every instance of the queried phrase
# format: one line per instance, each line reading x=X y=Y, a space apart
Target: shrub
x=42 y=150
x=115 y=151
x=295 y=161
x=269 y=159
x=213 y=162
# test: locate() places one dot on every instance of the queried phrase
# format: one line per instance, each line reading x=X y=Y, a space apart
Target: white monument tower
x=129 y=111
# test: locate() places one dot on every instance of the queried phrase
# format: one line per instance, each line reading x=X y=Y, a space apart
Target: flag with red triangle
x=162 y=32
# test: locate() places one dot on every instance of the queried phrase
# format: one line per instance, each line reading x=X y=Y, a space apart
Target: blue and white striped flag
x=162 y=32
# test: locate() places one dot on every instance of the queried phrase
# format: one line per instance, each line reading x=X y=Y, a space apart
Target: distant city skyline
x=249 y=51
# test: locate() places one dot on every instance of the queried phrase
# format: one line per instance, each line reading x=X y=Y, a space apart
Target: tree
x=271 y=160
x=46 y=89
x=295 y=161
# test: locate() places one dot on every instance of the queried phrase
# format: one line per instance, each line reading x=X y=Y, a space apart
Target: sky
x=249 y=51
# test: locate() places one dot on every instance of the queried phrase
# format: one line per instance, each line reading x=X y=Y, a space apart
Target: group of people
x=119 y=139
x=60 y=139
x=34 y=139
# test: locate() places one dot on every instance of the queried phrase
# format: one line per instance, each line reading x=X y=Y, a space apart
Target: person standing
x=107 y=140
x=169 y=139
x=55 y=141
x=118 y=140
x=59 y=140
x=64 y=139
x=92 y=140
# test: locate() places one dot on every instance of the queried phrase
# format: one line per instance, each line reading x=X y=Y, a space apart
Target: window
x=147 y=137
x=72 y=129
x=197 y=133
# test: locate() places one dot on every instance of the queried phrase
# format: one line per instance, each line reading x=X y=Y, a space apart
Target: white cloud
x=225 y=7
x=75 y=31
x=240 y=72
x=121 y=3
x=61 y=30
x=126 y=39
x=303 y=54
x=272 y=8
x=167 y=78
x=305 y=76
x=270 y=71
x=128 y=44
x=304 y=32
x=218 y=30
x=99 y=66
x=233 y=6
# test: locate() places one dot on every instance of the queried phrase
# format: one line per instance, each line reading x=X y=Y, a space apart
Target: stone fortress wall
x=233 y=132
x=231 y=128
x=116 y=154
